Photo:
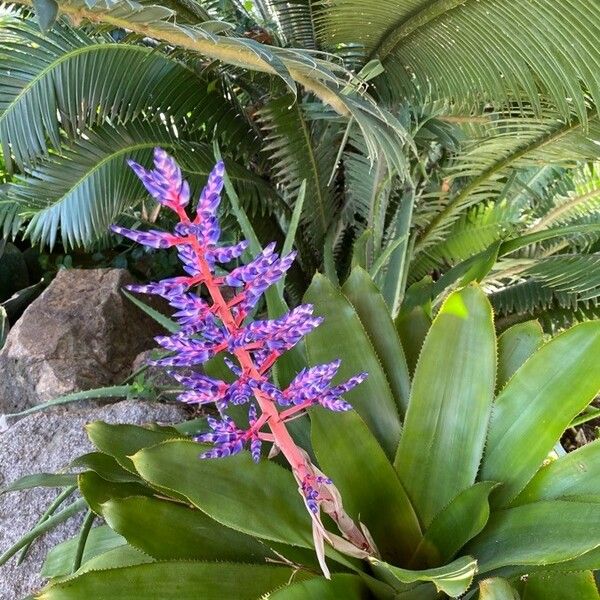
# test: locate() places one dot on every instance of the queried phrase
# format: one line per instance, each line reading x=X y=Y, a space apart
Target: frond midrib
x=559 y=210
x=405 y=27
x=551 y=137
x=90 y=173
x=313 y=163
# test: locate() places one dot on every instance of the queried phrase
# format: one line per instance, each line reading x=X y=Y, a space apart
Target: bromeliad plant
x=209 y=328
x=450 y=470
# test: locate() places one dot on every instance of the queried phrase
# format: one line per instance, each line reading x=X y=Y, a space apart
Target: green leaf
x=360 y=250
x=561 y=586
x=515 y=346
x=97 y=490
x=536 y=406
x=161 y=319
x=453 y=386
x=59 y=559
x=106 y=466
x=260 y=500
x=379 y=327
x=113 y=391
x=453 y=579
x=367 y=482
x=172 y=579
x=412 y=327
x=4 y=326
x=166 y=530
x=121 y=556
x=43 y=527
x=472 y=51
x=340 y=586
x=40 y=480
x=541 y=533
x=497 y=588
x=81 y=192
x=122 y=441
x=373 y=399
x=299 y=157
x=124 y=82
x=455 y=525
x=575 y=474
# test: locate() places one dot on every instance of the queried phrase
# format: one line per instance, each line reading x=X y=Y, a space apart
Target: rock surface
x=47 y=442
x=81 y=333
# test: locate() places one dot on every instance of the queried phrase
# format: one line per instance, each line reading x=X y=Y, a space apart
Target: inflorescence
x=216 y=325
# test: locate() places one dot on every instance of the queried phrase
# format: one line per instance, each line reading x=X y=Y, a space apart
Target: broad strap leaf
x=561 y=586
x=455 y=525
x=451 y=398
x=182 y=580
x=515 y=346
x=367 y=482
x=257 y=499
x=343 y=336
x=497 y=588
x=59 y=560
x=169 y=530
x=341 y=585
x=375 y=318
x=453 y=579
x=575 y=474
x=537 y=405
x=541 y=533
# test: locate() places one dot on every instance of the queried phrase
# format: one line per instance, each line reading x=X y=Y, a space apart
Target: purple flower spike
x=226 y=437
x=152 y=238
x=213 y=320
x=165 y=182
x=211 y=194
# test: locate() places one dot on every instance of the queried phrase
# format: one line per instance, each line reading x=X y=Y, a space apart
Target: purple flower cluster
x=214 y=325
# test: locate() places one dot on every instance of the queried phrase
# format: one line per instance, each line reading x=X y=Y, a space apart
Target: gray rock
x=47 y=442
x=81 y=333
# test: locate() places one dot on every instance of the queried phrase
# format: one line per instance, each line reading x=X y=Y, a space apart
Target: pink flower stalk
x=219 y=325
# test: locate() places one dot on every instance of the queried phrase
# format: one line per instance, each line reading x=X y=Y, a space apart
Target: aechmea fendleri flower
x=215 y=325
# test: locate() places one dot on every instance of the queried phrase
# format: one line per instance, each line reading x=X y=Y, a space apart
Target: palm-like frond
x=302 y=150
x=531 y=299
x=329 y=80
x=474 y=49
x=492 y=153
x=88 y=79
x=79 y=194
x=297 y=21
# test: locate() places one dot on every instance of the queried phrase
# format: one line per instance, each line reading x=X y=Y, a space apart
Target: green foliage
x=449 y=515
x=407 y=119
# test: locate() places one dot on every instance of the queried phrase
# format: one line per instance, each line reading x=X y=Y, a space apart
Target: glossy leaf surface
x=375 y=318
x=349 y=453
x=342 y=335
x=444 y=431
x=536 y=406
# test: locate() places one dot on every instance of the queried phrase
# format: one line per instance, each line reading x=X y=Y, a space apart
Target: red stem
x=281 y=437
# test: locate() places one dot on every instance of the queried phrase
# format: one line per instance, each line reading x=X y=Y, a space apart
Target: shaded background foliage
x=426 y=133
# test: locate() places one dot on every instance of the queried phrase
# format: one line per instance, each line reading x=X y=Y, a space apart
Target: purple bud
x=154 y=239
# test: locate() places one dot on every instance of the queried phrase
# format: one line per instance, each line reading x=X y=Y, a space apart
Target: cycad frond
x=88 y=79
x=328 y=80
x=301 y=150
x=477 y=229
x=578 y=200
x=297 y=21
x=79 y=194
x=490 y=50
x=491 y=154
x=532 y=299
x=572 y=273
